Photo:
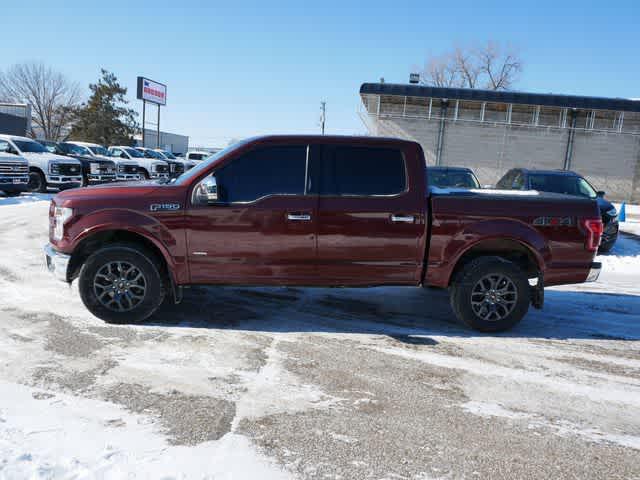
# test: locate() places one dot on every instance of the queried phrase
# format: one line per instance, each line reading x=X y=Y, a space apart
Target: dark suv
x=451 y=177
x=569 y=183
x=94 y=171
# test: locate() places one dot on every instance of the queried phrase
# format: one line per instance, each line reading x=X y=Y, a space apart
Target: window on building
x=261 y=172
x=603 y=120
x=523 y=114
x=391 y=105
x=496 y=112
x=469 y=110
x=417 y=107
x=362 y=171
x=631 y=122
x=550 y=117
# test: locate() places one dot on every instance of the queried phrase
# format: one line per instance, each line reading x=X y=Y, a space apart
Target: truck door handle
x=299 y=217
x=402 y=218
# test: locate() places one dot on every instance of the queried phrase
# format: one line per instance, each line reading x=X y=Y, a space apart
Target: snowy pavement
x=277 y=383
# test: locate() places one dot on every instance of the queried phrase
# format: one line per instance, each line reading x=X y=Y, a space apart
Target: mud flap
x=537 y=293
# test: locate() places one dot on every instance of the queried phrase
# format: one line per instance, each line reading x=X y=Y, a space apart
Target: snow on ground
x=313 y=383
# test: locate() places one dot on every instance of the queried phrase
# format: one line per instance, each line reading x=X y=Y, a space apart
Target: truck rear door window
x=262 y=172
x=363 y=171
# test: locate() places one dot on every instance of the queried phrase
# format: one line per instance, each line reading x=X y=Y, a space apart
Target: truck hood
x=108 y=194
x=48 y=157
x=9 y=158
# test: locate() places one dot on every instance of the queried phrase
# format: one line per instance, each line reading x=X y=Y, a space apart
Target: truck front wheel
x=121 y=283
x=490 y=294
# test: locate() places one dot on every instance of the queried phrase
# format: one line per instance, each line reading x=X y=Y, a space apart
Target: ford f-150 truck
x=319 y=211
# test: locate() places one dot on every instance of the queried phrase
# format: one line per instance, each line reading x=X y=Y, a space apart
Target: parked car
x=451 y=177
x=45 y=169
x=14 y=172
x=126 y=170
x=324 y=211
x=147 y=167
x=176 y=168
x=197 y=156
x=188 y=164
x=95 y=170
x=569 y=183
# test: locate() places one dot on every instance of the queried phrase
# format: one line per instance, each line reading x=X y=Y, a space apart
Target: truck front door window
x=263 y=172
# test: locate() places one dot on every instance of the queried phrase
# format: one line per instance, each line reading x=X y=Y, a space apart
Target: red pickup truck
x=319 y=211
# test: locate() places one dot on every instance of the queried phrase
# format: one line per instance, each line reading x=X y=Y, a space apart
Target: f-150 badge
x=164 y=207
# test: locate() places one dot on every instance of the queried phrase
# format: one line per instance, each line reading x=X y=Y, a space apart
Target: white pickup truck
x=14 y=172
x=148 y=167
x=46 y=169
x=126 y=169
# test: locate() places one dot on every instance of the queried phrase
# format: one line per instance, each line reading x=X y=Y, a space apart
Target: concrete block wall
x=609 y=160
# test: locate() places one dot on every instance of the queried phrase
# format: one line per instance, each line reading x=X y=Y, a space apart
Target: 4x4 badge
x=164 y=207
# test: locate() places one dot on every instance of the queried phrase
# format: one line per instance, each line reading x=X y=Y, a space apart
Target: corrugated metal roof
x=545 y=99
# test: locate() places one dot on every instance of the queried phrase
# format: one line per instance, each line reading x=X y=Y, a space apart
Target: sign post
x=153 y=92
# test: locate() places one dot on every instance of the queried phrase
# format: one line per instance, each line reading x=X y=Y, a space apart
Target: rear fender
x=473 y=235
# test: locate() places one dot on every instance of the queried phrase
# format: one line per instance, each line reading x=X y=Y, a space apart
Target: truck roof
x=84 y=144
x=364 y=139
x=565 y=173
x=17 y=137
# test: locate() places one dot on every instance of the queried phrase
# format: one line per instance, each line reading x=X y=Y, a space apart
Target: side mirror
x=206 y=192
x=600 y=193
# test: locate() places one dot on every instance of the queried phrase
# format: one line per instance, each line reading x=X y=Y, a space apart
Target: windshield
x=133 y=152
x=29 y=146
x=99 y=150
x=169 y=155
x=195 y=171
x=152 y=154
x=451 y=179
x=562 y=184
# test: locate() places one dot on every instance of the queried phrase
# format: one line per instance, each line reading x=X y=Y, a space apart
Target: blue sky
x=235 y=69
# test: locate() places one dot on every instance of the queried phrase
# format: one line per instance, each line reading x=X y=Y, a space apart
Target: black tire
x=128 y=254
x=145 y=174
x=606 y=247
x=487 y=269
x=37 y=182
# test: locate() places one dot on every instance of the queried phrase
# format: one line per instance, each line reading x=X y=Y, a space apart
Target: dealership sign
x=151 y=91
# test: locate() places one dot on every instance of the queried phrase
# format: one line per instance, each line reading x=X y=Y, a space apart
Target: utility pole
x=323 y=115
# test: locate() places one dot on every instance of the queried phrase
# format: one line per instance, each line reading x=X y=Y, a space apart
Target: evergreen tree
x=105 y=117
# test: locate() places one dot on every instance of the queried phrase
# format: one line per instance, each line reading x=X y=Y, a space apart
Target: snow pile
x=46 y=435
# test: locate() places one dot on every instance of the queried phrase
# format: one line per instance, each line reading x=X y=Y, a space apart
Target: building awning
x=472 y=94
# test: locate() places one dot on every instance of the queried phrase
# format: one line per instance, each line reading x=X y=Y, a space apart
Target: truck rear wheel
x=490 y=294
x=121 y=283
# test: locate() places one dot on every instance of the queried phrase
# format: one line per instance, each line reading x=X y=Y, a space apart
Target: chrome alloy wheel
x=494 y=297
x=119 y=286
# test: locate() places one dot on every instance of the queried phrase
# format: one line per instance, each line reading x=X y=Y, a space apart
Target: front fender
x=135 y=222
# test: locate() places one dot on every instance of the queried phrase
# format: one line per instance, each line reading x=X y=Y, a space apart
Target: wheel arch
x=510 y=249
x=100 y=238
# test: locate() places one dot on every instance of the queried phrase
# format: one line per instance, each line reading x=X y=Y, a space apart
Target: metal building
x=172 y=142
x=493 y=131
x=15 y=118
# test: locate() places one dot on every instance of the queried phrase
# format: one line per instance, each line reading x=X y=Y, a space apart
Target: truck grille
x=66 y=169
x=177 y=168
x=13 y=169
x=162 y=168
x=107 y=168
x=128 y=169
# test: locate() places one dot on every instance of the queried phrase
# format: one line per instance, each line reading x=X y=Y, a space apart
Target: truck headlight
x=54 y=168
x=94 y=168
x=61 y=215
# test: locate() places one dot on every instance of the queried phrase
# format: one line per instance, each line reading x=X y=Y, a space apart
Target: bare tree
x=52 y=96
x=491 y=67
